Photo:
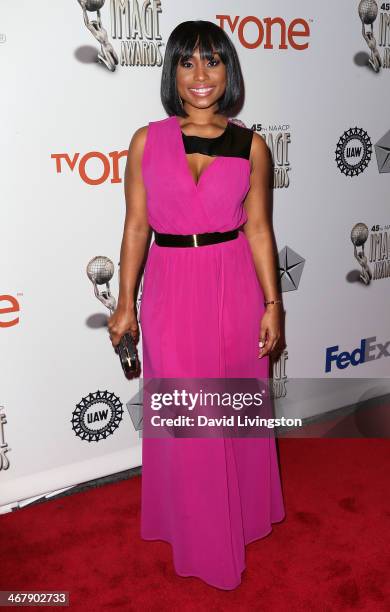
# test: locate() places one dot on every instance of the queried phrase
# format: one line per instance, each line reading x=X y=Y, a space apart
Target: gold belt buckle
x=194 y=236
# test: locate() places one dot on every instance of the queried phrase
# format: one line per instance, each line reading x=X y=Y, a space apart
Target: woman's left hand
x=270 y=329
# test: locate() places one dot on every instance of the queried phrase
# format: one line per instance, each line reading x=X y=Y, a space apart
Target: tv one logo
x=268 y=32
x=9 y=311
x=103 y=166
x=369 y=350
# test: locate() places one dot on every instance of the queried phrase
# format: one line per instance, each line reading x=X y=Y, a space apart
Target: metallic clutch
x=127 y=352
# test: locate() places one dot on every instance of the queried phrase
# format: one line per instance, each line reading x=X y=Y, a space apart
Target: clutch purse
x=128 y=355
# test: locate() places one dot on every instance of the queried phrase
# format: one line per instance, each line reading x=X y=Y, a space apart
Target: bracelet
x=272 y=302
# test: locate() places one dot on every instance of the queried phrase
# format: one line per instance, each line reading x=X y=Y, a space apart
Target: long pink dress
x=200 y=315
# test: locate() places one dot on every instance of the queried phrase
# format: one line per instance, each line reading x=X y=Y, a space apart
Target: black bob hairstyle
x=210 y=38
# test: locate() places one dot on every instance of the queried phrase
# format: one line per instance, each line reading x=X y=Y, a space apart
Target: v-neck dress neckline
x=219 y=138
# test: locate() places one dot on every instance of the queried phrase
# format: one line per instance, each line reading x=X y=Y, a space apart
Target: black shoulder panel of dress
x=235 y=141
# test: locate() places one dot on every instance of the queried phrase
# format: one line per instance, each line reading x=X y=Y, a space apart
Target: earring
x=181 y=102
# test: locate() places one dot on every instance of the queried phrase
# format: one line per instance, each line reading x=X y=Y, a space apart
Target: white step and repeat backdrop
x=317 y=88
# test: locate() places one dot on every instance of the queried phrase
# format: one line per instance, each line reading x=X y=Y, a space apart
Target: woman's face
x=199 y=82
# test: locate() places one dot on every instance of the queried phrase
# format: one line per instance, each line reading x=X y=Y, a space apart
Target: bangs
x=208 y=43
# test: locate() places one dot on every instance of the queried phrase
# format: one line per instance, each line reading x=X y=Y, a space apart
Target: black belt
x=196 y=240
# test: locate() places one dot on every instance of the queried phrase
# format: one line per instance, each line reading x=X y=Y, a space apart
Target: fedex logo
x=369 y=350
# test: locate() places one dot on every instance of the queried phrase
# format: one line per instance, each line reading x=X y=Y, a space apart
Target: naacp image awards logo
x=278 y=140
x=374 y=261
x=376 y=32
x=134 y=24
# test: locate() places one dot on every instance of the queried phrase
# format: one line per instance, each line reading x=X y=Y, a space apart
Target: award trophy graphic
x=108 y=55
x=359 y=235
x=368 y=12
x=100 y=271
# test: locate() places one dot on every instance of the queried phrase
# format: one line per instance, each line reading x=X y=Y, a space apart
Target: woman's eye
x=185 y=64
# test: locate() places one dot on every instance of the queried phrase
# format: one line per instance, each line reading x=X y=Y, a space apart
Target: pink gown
x=200 y=314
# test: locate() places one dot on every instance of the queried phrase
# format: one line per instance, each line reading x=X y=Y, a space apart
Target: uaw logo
x=134 y=24
x=4 y=448
x=97 y=416
x=278 y=139
x=374 y=265
x=368 y=12
x=269 y=32
x=353 y=152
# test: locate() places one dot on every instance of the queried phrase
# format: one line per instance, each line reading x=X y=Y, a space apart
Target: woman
x=202 y=310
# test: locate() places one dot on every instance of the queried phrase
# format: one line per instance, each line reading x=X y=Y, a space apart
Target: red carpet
x=330 y=553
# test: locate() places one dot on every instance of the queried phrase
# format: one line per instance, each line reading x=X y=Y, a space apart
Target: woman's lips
x=201 y=91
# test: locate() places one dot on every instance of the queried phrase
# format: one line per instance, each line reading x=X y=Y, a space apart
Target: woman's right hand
x=123 y=320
